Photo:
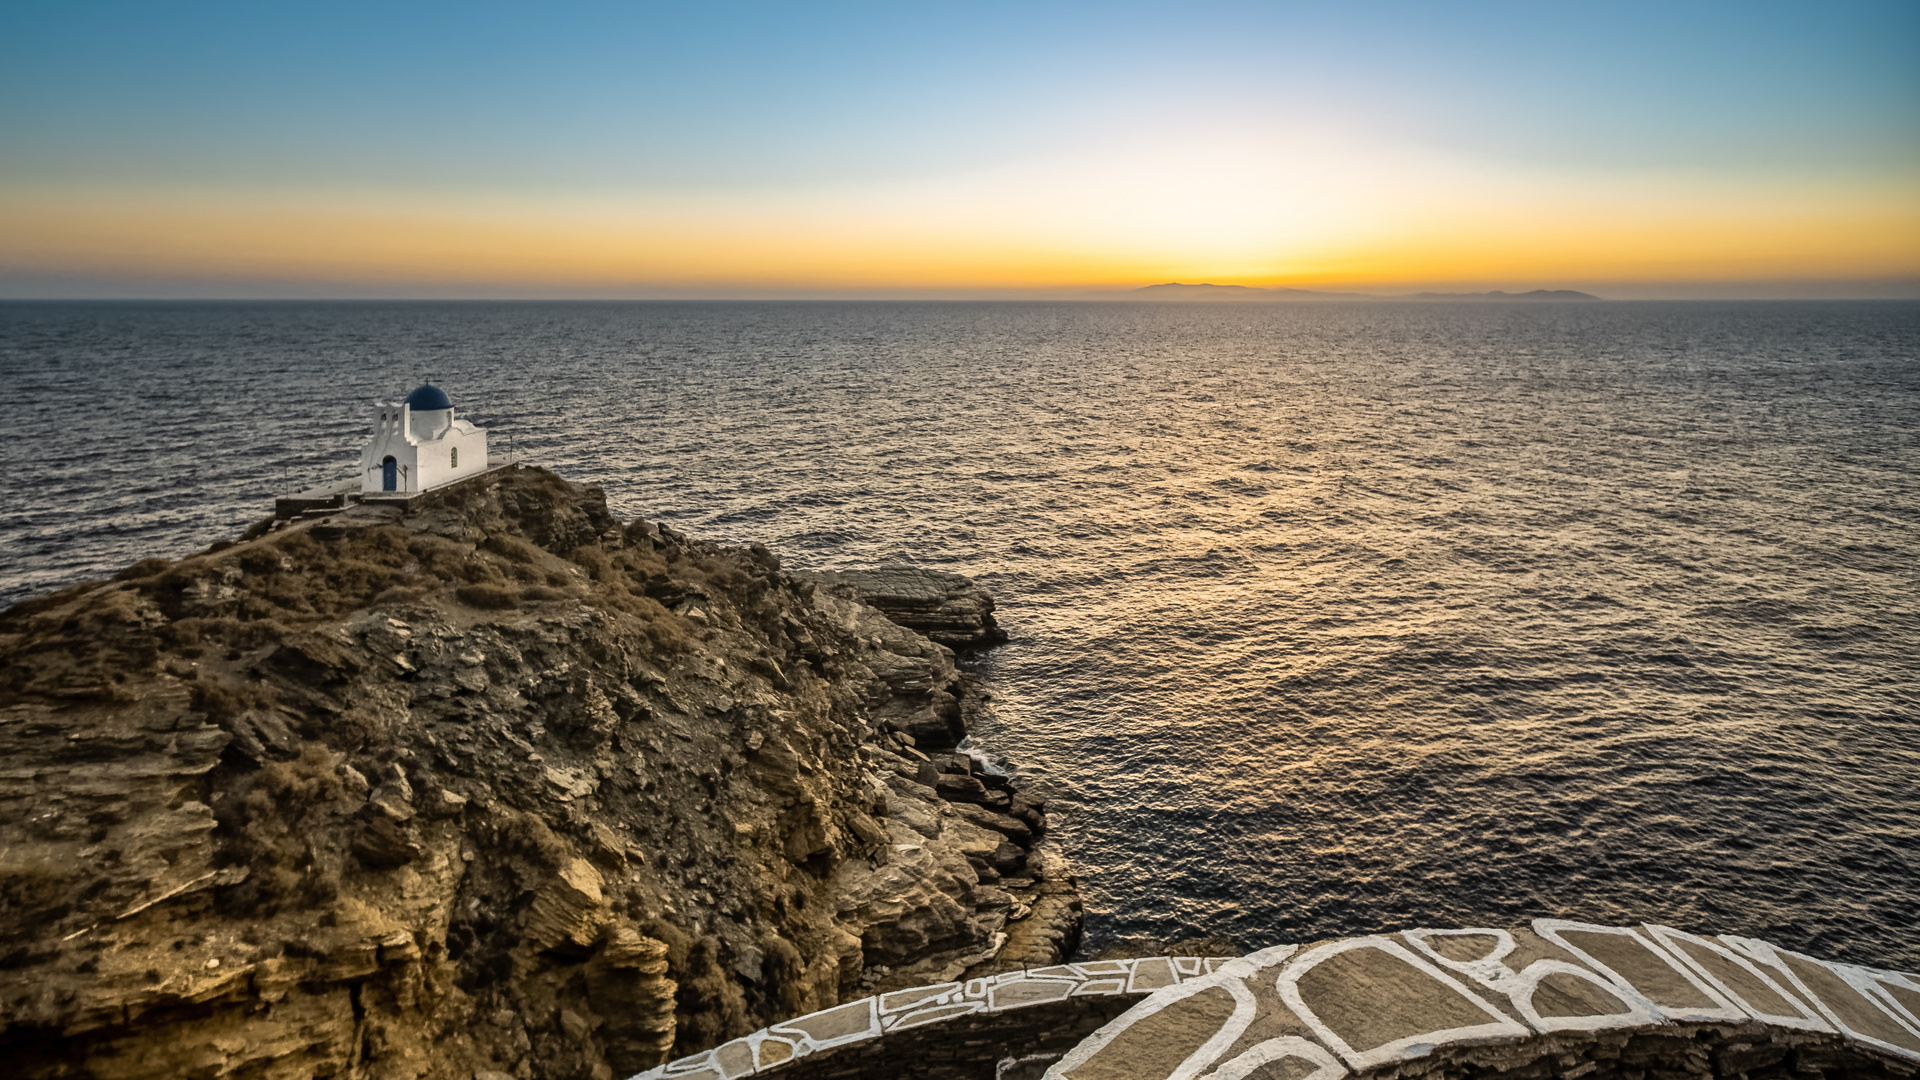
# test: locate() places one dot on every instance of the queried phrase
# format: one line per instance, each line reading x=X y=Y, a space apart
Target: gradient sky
x=485 y=149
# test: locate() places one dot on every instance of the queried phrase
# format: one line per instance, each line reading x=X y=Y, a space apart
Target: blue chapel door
x=389 y=475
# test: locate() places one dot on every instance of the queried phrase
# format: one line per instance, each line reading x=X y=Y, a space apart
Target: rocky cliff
x=496 y=786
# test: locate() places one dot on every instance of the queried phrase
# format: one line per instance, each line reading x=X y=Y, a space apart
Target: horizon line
x=982 y=297
x=29 y=287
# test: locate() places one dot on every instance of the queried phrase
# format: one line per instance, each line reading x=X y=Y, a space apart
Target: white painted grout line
x=1499 y=1025
x=1177 y=979
x=1808 y=1019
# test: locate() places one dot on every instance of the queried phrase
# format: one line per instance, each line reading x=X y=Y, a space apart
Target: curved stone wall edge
x=1374 y=1004
x=1061 y=993
x=1591 y=1002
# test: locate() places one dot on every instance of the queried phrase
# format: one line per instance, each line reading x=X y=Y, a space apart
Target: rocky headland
x=494 y=786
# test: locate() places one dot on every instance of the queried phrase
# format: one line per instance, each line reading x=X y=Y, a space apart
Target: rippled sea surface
x=1325 y=617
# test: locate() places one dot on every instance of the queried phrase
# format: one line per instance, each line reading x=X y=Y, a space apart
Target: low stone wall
x=344 y=493
x=948 y=1031
x=1554 y=999
x=285 y=509
x=970 y=1048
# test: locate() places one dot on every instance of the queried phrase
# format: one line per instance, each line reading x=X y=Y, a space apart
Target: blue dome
x=428 y=398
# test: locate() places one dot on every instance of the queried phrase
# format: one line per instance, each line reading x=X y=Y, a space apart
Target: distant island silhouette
x=1174 y=290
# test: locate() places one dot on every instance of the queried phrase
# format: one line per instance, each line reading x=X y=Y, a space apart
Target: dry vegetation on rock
x=500 y=785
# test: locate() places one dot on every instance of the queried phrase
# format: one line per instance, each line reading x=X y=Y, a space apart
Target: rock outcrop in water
x=498 y=787
x=948 y=608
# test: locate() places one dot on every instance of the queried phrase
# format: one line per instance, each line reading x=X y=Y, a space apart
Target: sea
x=1325 y=618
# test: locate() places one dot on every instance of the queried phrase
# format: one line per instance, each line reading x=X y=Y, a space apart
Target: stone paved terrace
x=1555 y=999
x=340 y=494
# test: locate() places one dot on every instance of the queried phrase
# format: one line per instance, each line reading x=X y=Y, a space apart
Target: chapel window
x=455 y=463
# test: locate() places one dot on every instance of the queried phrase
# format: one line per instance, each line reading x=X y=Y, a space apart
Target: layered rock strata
x=947 y=607
x=496 y=786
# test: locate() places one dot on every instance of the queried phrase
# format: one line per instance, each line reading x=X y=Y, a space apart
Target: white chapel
x=418 y=444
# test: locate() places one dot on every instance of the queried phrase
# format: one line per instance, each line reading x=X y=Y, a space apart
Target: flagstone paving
x=1366 y=1004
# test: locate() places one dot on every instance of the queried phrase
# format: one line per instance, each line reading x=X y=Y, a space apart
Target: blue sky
x=585 y=105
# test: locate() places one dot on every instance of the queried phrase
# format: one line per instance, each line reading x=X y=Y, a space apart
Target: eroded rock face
x=948 y=608
x=502 y=786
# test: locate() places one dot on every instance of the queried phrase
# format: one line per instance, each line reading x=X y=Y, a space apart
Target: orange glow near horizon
x=1020 y=231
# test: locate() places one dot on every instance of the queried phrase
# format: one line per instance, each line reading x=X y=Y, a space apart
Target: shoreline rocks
x=497 y=785
x=946 y=607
